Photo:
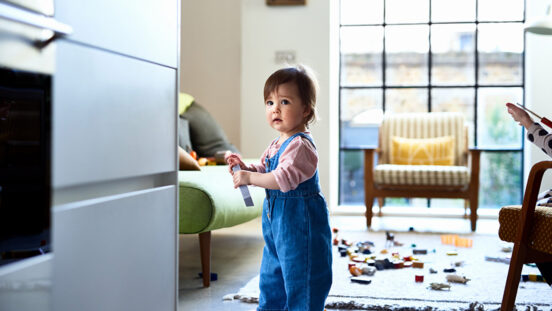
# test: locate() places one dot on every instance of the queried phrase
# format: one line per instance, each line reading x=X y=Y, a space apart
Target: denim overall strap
x=307 y=188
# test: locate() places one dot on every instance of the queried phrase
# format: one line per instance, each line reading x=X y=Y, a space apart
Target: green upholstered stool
x=208 y=201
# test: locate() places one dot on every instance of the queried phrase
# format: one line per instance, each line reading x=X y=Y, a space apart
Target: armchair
x=387 y=179
x=529 y=227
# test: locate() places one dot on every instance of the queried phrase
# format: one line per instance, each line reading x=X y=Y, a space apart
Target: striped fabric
x=391 y=174
x=424 y=125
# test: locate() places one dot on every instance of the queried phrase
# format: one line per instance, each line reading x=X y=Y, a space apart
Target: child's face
x=285 y=111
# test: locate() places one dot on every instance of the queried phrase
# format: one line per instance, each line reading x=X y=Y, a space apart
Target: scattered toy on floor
x=457 y=278
x=532 y=278
x=439 y=286
x=419 y=278
x=361 y=280
x=431 y=270
x=214 y=276
x=505 y=260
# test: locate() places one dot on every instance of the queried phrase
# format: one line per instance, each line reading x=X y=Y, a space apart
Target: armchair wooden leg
x=205 y=254
x=380 y=204
x=369 y=202
x=473 y=212
x=514 y=274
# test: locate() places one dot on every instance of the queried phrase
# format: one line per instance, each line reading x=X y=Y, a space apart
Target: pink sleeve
x=296 y=164
x=259 y=167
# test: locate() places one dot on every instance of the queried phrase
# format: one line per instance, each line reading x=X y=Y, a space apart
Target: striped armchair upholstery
x=460 y=180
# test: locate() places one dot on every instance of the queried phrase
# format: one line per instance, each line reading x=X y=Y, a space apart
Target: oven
x=27 y=54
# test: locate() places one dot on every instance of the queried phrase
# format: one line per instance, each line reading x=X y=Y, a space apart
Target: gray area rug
x=396 y=289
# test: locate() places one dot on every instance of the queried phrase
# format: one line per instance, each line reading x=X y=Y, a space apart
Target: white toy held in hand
x=244 y=190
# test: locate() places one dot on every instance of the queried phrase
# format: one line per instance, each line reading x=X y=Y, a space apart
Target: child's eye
x=285 y=102
x=269 y=103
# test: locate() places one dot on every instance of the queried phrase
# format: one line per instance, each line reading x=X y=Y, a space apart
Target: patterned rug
x=396 y=289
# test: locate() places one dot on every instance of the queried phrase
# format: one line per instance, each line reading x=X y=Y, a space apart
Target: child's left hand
x=241 y=178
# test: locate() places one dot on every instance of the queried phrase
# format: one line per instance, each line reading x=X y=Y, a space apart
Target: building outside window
x=400 y=56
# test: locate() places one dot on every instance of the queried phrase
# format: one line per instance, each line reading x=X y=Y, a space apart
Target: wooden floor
x=237 y=251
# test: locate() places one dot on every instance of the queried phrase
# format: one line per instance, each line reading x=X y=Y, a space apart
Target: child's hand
x=519 y=115
x=234 y=159
x=241 y=178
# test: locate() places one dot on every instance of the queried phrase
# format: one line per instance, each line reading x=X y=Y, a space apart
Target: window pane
x=406 y=11
x=500 y=179
x=361 y=56
x=406 y=100
x=453 y=56
x=500 y=53
x=361 y=12
x=500 y=10
x=453 y=11
x=351 y=177
x=361 y=114
x=406 y=50
x=495 y=127
x=457 y=100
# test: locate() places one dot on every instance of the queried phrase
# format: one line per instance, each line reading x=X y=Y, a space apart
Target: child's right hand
x=234 y=159
x=519 y=115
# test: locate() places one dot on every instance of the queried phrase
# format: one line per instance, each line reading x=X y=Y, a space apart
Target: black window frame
x=476 y=86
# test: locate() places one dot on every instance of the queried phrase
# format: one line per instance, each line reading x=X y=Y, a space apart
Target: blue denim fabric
x=296 y=269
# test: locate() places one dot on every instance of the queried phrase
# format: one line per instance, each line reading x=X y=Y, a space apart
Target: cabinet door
x=142 y=28
x=113 y=116
x=116 y=253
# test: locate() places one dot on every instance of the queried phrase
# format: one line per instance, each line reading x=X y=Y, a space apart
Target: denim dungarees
x=296 y=269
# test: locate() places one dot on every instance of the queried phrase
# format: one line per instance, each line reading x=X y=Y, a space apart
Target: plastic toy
x=457 y=278
x=418 y=264
x=419 y=251
x=361 y=280
x=244 y=190
x=355 y=271
x=532 y=277
x=439 y=286
x=419 y=278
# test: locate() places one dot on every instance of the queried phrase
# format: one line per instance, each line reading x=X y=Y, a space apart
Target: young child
x=540 y=137
x=296 y=269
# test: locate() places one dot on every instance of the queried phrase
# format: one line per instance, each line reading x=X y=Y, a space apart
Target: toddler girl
x=296 y=269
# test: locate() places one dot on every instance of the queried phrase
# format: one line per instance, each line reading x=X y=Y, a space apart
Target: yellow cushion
x=184 y=101
x=422 y=151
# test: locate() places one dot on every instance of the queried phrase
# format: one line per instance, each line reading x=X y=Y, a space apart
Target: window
x=433 y=55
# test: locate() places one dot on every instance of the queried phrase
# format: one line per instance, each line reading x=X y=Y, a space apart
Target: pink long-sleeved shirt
x=297 y=163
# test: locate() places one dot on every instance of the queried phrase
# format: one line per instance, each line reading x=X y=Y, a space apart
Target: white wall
x=538 y=87
x=265 y=30
x=210 y=59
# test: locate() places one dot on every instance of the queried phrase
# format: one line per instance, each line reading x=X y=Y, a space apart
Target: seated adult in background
x=186 y=162
x=542 y=139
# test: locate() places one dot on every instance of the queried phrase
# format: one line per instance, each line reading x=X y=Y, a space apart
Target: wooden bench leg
x=205 y=253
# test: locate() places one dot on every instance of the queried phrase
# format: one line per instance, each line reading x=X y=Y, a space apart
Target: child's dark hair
x=306 y=86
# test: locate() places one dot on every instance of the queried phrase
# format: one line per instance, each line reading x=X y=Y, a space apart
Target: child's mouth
x=277 y=120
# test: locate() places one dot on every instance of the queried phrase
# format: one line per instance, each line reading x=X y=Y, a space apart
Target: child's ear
x=306 y=111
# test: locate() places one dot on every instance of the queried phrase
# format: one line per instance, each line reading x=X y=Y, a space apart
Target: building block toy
x=244 y=190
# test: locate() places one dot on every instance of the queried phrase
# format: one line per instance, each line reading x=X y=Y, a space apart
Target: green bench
x=208 y=201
